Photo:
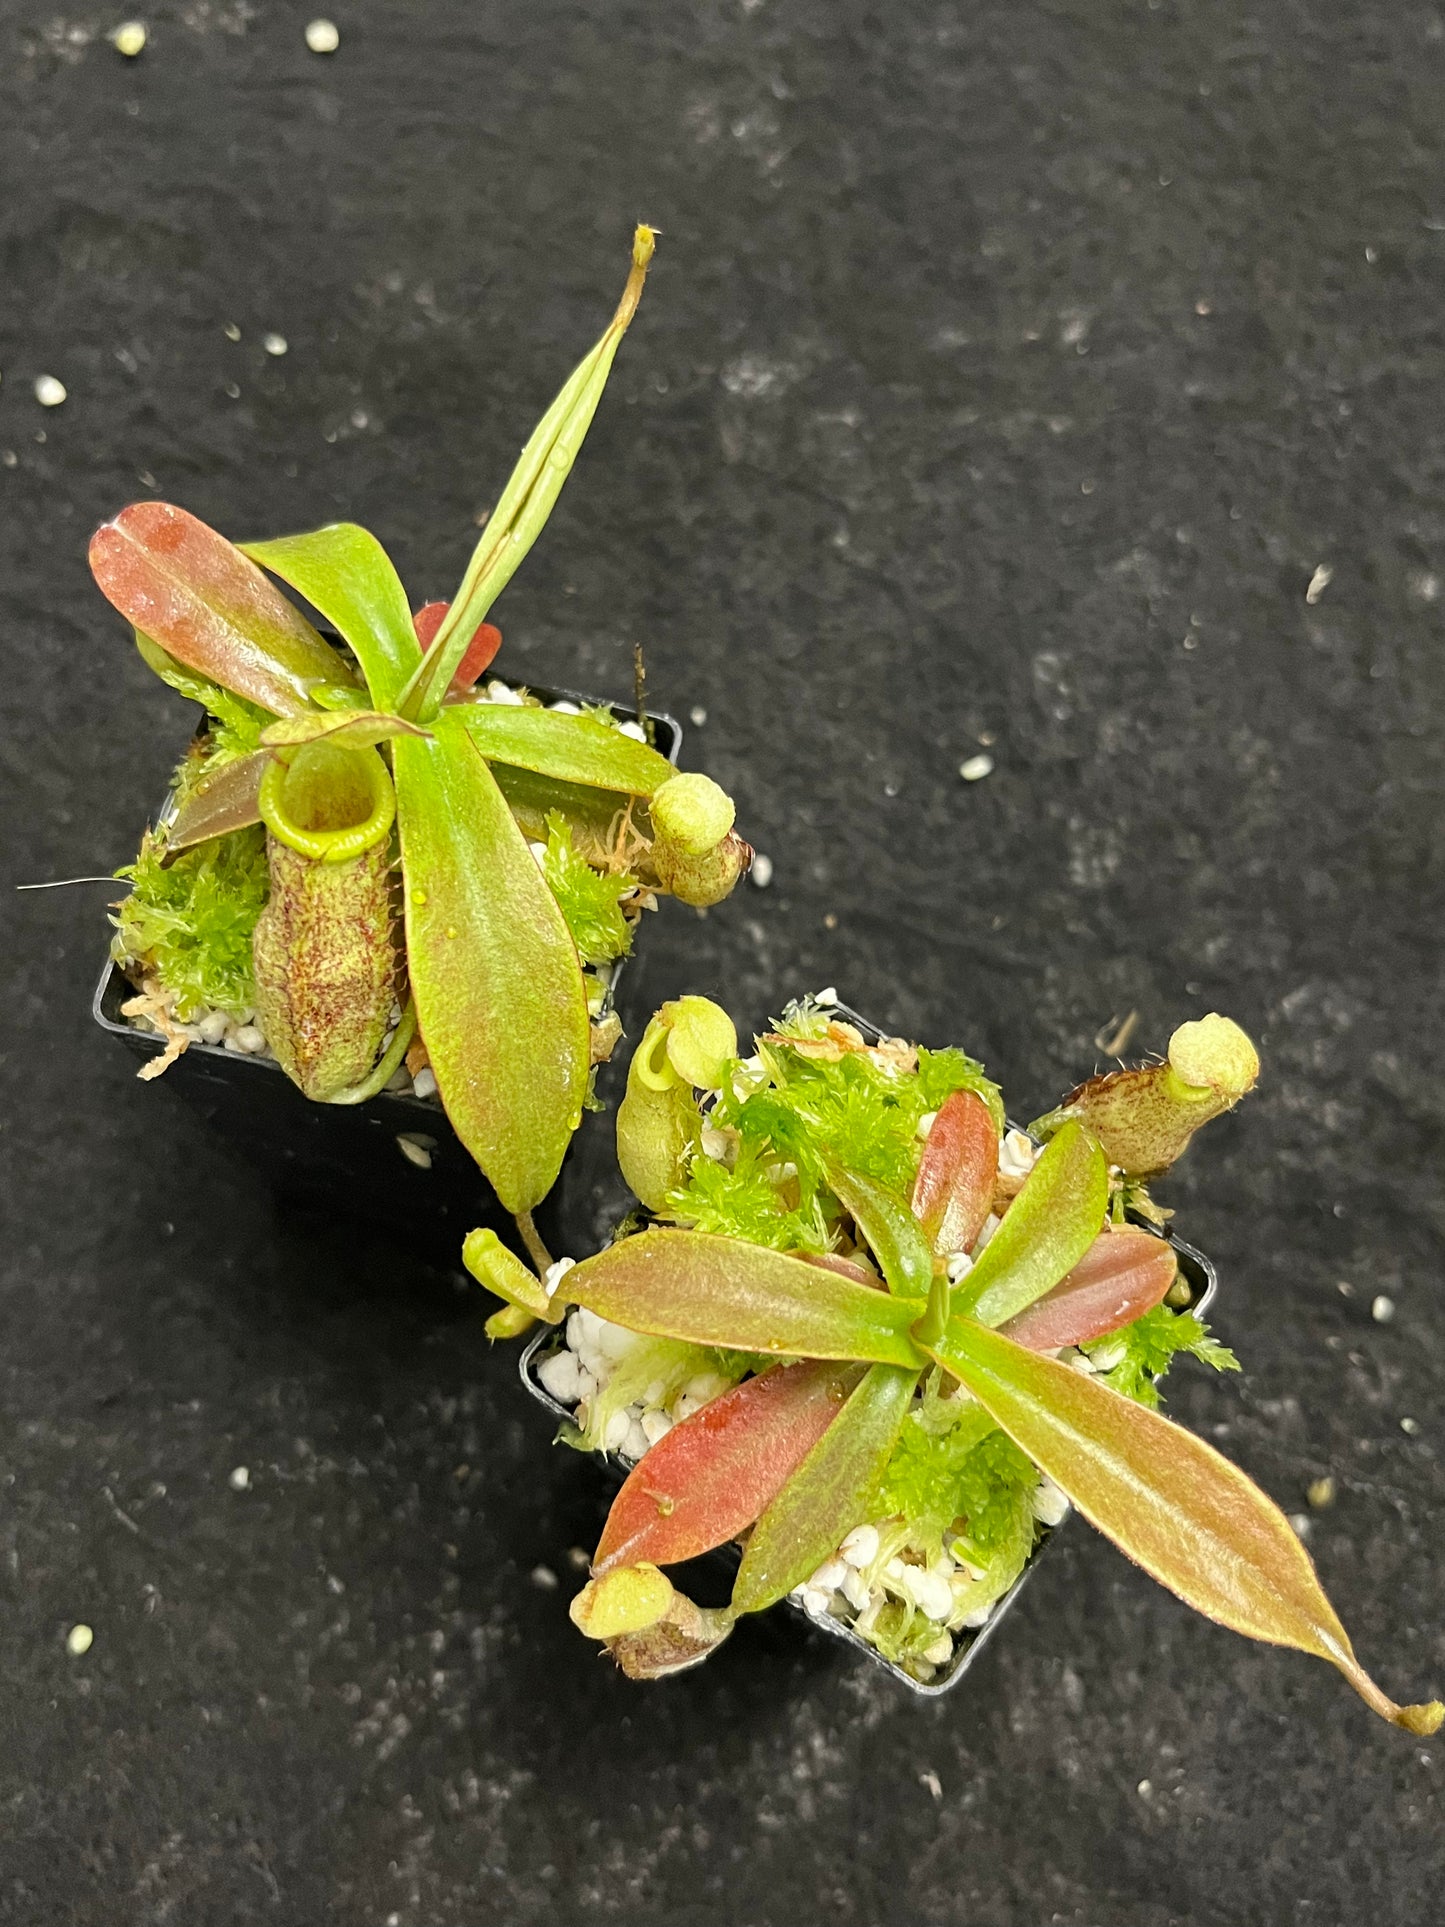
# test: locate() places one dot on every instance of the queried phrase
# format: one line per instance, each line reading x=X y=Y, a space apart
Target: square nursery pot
x=1195 y=1270
x=393 y=1162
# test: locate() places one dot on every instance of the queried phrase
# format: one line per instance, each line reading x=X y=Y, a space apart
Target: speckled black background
x=1006 y=370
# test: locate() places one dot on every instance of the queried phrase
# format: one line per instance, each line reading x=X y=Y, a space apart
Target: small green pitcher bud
x=324 y=948
x=688 y=1044
x=1145 y=1118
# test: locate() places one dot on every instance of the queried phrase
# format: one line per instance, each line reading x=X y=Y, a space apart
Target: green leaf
x=344 y=728
x=1168 y=1500
x=499 y=992
x=343 y=571
x=893 y=1233
x=210 y=607
x=718 y=1291
x=571 y=749
x=1045 y=1231
x=527 y=500
x=825 y=1497
x=711 y=1476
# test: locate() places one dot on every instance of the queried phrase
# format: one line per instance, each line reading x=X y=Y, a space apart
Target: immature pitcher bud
x=1145 y=1118
x=696 y=854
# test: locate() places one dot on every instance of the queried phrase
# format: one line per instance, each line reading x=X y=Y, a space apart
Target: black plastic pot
x=1194 y=1269
x=395 y=1161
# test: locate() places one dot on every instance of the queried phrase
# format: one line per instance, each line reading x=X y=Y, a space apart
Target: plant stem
x=536 y=1250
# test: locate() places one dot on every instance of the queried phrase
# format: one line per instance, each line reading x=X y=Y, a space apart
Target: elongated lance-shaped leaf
x=956 y=1173
x=528 y=498
x=1168 y=1500
x=826 y=1496
x=210 y=607
x=713 y=1475
x=222 y=800
x=499 y=993
x=343 y=571
x=1124 y=1273
x=573 y=749
x=1045 y=1231
x=894 y=1235
x=721 y=1291
x=345 y=728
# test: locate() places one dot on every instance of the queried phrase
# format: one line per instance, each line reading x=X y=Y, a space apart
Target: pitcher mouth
x=328 y=803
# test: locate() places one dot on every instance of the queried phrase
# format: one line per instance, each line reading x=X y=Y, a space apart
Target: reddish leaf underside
x=1123 y=1274
x=210 y=607
x=480 y=650
x=716 y=1472
x=956 y=1174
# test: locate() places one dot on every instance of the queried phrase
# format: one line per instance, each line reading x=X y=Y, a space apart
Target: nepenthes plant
x=371 y=853
x=881 y=1342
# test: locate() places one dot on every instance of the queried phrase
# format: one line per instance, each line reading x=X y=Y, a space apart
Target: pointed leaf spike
x=1168 y=1500
x=1045 y=1231
x=527 y=500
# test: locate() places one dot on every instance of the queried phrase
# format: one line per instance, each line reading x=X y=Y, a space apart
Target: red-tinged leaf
x=499 y=994
x=1123 y=1274
x=953 y=1191
x=1045 y=1231
x=343 y=571
x=222 y=800
x=1168 y=1500
x=210 y=607
x=712 y=1476
x=826 y=1496
x=721 y=1291
x=569 y=749
x=890 y=1228
x=480 y=650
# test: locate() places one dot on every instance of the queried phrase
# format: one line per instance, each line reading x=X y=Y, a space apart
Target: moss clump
x=188 y=924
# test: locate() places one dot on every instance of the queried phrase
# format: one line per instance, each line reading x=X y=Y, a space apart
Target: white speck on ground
x=931 y=1780
x=49 y=392
x=697 y=715
x=129 y=38
x=322 y=37
x=976 y=768
x=78 y=1641
x=1321 y=1493
x=275 y=344
x=544 y=1579
x=1410 y=1426
x=761 y=873
x=1382 y=1309
x=1319 y=582
x=240 y=1480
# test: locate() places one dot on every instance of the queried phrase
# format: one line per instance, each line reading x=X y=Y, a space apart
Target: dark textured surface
x=1005 y=370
